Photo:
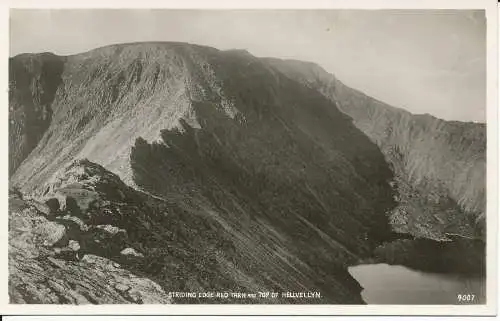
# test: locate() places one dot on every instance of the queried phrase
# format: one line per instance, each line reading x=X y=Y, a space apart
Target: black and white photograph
x=231 y=156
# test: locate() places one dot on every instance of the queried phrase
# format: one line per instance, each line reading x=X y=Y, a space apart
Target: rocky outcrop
x=45 y=266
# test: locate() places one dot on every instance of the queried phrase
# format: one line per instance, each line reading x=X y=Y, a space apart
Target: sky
x=425 y=61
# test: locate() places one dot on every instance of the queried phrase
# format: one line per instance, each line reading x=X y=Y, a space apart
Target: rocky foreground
x=48 y=265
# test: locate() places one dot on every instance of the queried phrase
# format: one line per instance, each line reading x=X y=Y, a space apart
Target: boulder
x=131 y=252
x=54 y=205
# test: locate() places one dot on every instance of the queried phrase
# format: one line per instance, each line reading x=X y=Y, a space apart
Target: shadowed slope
x=439 y=165
x=299 y=191
x=33 y=81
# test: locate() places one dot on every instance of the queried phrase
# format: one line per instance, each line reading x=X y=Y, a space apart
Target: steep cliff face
x=439 y=166
x=33 y=82
x=230 y=176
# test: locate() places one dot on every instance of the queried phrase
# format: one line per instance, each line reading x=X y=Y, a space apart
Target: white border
x=492 y=163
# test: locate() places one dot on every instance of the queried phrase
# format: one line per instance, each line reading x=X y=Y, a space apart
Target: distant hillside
x=439 y=166
x=229 y=175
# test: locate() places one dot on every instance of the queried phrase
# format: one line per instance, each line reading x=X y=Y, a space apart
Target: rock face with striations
x=439 y=166
x=208 y=170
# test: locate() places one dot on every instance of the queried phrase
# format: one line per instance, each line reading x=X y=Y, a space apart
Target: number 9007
x=465 y=297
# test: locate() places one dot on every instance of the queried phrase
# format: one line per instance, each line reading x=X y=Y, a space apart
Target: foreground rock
x=37 y=275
